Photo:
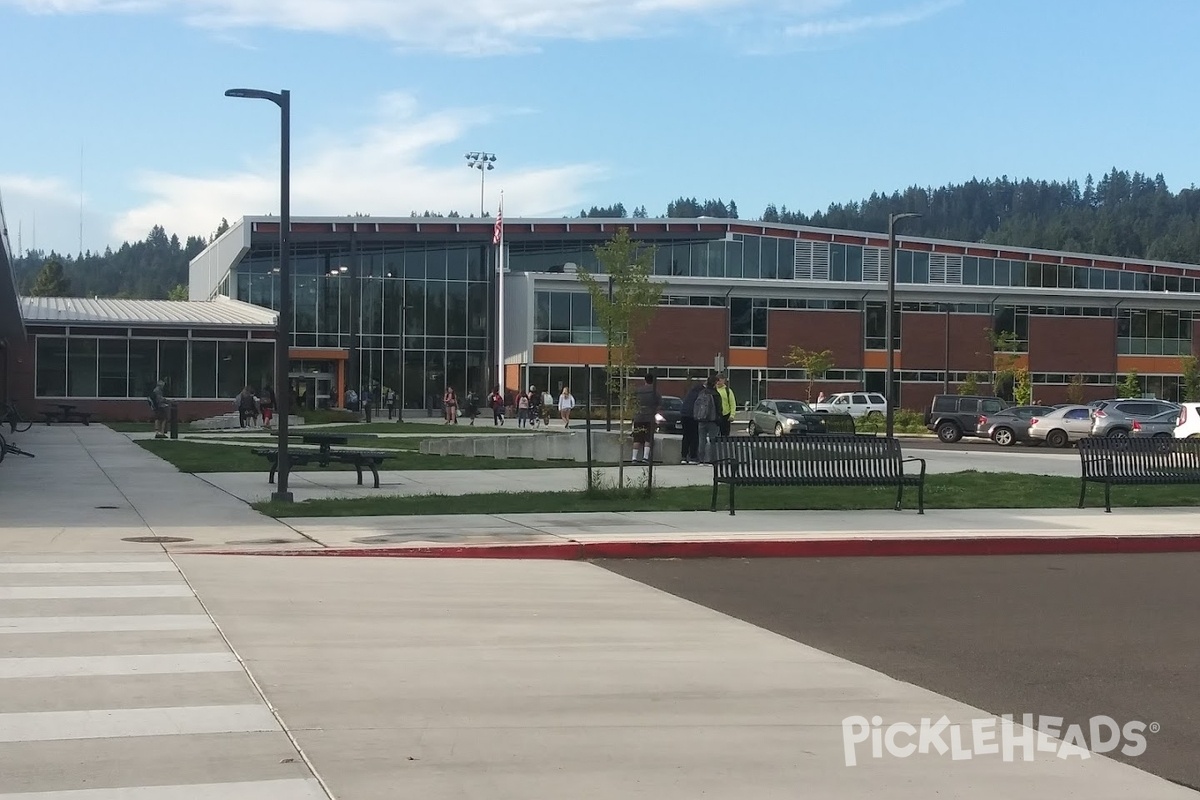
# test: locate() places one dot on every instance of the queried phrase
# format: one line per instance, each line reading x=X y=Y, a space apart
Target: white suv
x=856 y=404
x=1188 y=424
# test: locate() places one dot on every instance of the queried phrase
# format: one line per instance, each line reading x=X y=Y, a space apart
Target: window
x=203 y=369
x=747 y=322
x=51 y=366
x=1154 y=332
x=565 y=318
x=875 y=327
x=1078 y=413
x=991 y=406
x=143 y=366
x=81 y=368
x=113 y=367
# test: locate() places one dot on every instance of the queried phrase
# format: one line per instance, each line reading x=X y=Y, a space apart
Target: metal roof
x=164 y=313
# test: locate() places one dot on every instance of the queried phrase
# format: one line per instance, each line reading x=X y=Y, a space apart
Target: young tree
x=1075 y=391
x=1023 y=388
x=624 y=299
x=970 y=386
x=1190 y=385
x=814 y=363
x=178 y=292
x=1005 y=346
x=50 y=281
x=1130 y=387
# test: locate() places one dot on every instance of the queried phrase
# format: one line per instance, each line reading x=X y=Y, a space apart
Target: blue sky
x=797 y=102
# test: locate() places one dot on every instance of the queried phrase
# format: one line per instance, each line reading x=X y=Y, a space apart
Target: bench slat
x=1134 y=462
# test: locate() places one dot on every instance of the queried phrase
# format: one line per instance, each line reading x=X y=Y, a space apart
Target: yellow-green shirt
x=728 y=402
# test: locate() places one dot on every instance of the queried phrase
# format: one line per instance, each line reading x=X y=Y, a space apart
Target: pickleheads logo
x=992 y=736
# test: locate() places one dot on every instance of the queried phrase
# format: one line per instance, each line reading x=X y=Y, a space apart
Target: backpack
x=706 y=409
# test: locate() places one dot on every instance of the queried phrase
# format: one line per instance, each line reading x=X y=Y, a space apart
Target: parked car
x=953 y=416
x=782 y=416
x=856 y=404
x=672 y=414
x=1062 y=425
x=1010 y=426
x=1160 y=426
x=1188 y=425
x=1115 y=417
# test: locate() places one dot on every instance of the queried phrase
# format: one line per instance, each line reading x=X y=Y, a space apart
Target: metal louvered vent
x=875 y=264
x=812 y=261
x=945 y=269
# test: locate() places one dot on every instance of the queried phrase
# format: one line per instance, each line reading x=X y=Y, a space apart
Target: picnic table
x=67 y=413
x=325 y=454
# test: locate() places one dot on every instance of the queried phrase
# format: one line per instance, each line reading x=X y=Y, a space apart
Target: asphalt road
x=1068 y=636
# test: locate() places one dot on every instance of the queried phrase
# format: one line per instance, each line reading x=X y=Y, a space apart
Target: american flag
x=498 y=229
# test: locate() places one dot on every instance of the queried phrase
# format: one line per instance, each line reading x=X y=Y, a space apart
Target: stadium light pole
x=477 y=159
x=890 y=379
x=283 y=333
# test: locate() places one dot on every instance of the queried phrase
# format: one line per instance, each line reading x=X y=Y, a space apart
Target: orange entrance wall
x=326 y=354
x=1150 y=365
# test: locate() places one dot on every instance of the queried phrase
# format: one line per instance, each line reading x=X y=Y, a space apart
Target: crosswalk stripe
x=147 y=622
x=115 y=723
x=293 y=789
x=72 y=592
x=88 y=566
x=78 y=666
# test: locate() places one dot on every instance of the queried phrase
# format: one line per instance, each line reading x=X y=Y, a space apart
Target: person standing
x=691 y=430
x=522 y=409
x=649 y=403
x=728 y=405
x=450 y=406
x=566 y=402
x=708 y=413
x=267 y=403
x=158 y=406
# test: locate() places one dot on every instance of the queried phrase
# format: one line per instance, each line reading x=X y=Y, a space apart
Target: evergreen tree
x=50 y=281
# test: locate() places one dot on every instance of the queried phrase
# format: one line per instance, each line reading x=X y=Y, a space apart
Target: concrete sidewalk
x=439 y=679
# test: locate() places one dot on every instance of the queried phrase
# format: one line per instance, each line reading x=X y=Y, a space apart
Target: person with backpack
x=496 y=401
x=158 y=408
x=707 y=413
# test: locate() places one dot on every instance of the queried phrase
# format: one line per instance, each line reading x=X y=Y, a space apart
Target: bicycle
x=12 y=418
x=6 y=449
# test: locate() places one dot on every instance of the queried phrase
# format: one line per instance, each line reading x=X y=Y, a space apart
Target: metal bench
x=814 y=460
x=1137 y=462
x=369 y=459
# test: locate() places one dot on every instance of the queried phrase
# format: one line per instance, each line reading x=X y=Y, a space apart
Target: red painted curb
x=773 y=548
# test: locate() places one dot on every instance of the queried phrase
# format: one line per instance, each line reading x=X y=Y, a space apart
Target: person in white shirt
x=565 y=403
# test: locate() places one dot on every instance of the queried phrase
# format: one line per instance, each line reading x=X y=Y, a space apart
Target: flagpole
x=498 y=239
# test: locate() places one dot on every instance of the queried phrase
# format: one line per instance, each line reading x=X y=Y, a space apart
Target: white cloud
x=384 y=170
x=474 y=27
x=846 y=26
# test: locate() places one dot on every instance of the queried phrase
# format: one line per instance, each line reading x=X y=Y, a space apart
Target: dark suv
x=952 y=416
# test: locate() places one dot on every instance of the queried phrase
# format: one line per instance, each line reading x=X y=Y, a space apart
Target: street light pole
x=283 y=334
x=890 y=379
x=477 y=159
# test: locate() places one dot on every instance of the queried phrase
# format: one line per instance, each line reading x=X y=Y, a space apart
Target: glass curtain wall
x=414 y=316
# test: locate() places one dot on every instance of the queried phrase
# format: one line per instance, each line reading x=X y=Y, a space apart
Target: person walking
x=708 y=413
x=247 y=406
x=691 y=432
x=649 y=403
x=566 y=402
x=496 y=401
x=450 y=406
x=472 y=405
x=728 y=405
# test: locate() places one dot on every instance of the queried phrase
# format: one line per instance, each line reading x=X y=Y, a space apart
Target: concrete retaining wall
x=564 y=446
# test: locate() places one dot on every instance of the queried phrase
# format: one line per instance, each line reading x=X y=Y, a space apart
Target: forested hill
x=1122 y=214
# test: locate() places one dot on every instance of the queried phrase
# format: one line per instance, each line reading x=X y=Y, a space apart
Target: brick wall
x=923 y=342
x=1072 y=345
x=685 y=337
x=839 y=331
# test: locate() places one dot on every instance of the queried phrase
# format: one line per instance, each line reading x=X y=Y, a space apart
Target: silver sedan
x=1062 y=425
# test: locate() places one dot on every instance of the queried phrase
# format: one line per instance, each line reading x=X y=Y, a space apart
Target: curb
x=774 y=548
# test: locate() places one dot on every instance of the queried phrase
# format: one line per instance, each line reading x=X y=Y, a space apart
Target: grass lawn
x=955 y=490
x=193 y=456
